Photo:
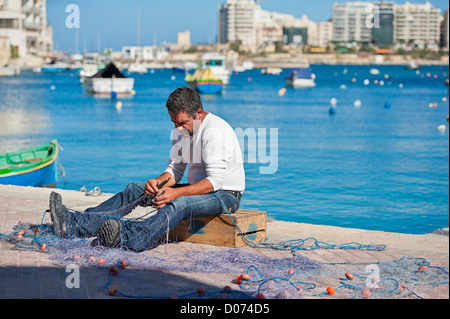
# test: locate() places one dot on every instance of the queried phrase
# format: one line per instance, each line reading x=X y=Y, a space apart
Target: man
x=216 y=180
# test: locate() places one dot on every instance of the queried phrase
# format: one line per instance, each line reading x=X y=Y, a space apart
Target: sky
x=114 y=23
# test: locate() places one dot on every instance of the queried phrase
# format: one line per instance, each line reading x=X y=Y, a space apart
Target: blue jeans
x=140 y=235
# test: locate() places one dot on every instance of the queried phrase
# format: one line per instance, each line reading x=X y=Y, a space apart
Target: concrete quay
x=32 y=274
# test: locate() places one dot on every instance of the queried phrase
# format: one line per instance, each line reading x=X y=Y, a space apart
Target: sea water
x=379 y=163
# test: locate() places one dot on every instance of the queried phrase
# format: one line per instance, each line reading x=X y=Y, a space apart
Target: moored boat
x=35 y=166
x=205 y=81
x=217 y=64
x=109 y=81
x=301 y=78
x=8 y=70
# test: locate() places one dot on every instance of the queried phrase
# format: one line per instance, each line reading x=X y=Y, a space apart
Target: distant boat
x=374 y=71
x=272 y=71
x=108 y=81
x=30 y=167
x=185 y=68
x=412 y=66
x=205 y=81
x=55 y=67
x=217 y=64
x=300 y=78
x=246 y=65
x=89 y=69
x=9 y=70
x=137 y=68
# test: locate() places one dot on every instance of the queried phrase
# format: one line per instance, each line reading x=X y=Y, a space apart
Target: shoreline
x=275 y=60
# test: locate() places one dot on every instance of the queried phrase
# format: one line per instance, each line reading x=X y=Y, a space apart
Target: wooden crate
x=221 y=231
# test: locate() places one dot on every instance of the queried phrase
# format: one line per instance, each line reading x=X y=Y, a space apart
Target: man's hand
x=151 y=187
x=164 y=196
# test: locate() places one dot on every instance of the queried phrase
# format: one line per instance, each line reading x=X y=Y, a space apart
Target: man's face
x=186 y=124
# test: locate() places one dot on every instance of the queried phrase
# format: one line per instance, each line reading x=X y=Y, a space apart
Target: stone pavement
x=33 y=274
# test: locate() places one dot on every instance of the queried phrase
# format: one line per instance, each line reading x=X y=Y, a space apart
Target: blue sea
x=380 y=165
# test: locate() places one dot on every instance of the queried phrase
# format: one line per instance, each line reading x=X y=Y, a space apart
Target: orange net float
x=331 y=291
x=123 y=264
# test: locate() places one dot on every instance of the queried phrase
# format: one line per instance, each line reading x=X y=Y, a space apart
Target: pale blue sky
x=113 y=23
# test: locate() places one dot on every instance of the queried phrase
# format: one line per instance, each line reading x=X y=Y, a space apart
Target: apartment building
x=444 y=31
x=237 y=22
x=352 y=22
x=24 y=23
x=417 y=26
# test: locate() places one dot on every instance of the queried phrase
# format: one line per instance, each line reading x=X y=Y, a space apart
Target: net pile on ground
x=292 y=277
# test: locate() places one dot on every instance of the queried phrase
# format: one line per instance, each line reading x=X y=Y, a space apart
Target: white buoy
x=400 y=85
x=119 y=105
x=366 y=82
x=442 y=128
x=52 y=87
x=343 y=86
x=357 y=103
x=173 y=77
x=333 y=101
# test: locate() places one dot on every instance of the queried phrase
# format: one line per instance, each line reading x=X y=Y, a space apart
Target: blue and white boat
x=55 y=67
x=301 y=78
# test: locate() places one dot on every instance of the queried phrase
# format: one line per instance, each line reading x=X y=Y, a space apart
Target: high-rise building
x=352 y=22
x=444 y=31
x=417 y=26
x=24 y=22
x=237 y=22
x=383 y=24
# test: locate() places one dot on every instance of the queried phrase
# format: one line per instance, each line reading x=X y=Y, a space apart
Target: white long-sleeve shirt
x=213 y=152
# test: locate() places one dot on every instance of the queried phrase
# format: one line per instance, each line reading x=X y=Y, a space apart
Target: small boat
x=412 y=66
x=89 y=69
x=272 y=71
x=300 y=78
x=217 y=64
x=374 y=71
x=55 y=67
x=205 y=81
x=109 y=81
x=31 y=167
x=8 y=70
x=137 y=68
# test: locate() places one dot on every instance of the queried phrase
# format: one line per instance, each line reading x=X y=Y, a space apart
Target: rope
x=298 y=244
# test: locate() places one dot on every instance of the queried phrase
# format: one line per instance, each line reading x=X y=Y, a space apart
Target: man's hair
x=184 y=100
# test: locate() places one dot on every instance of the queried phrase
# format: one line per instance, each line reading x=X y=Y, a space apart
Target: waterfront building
x=237 y=22
x=417 y=26
x=324 y=35
x=383 y=30
x=444 y=31
x=24 y=22
x=352 y=23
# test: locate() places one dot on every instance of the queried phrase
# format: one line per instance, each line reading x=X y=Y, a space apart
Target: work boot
x=59 y=214
x=109 y=234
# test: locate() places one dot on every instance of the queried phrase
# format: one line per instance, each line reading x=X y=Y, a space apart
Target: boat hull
x=209 y=87
x=300 y=83
x=108 y=85
x=44 y=175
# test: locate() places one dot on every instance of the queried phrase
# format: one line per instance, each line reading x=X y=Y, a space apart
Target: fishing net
x=292 y=277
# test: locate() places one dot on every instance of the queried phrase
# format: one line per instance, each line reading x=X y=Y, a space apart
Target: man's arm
x=168 y=194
